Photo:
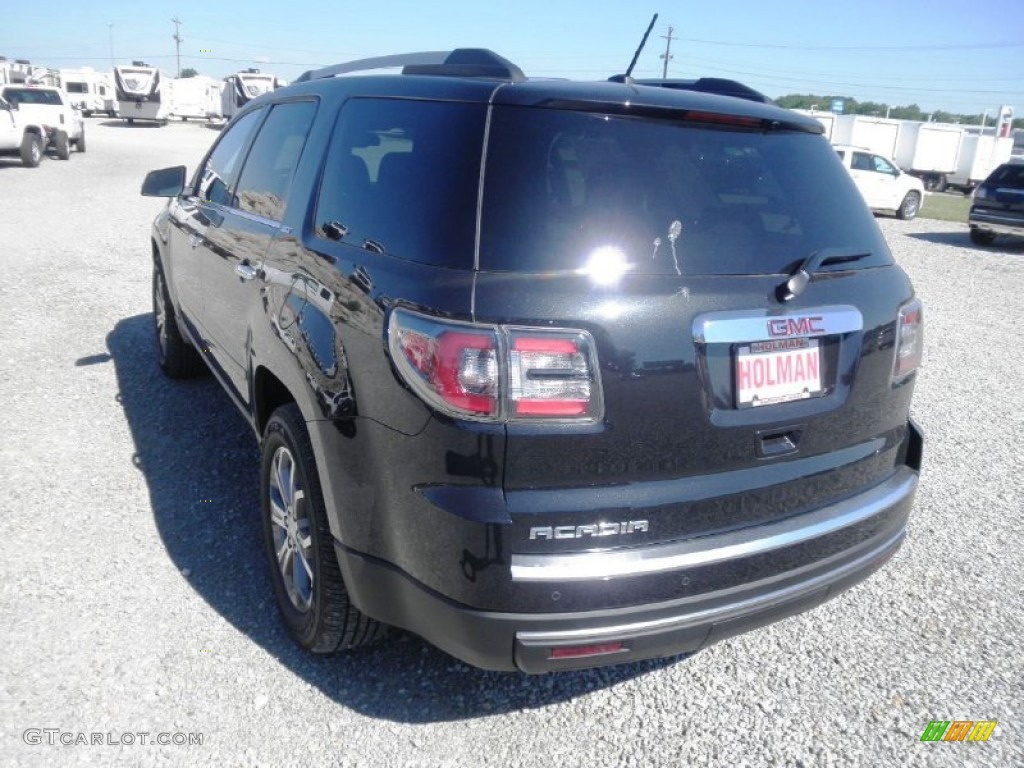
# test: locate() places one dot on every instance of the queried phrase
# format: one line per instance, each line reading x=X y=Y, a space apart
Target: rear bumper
x=524 y=641
x=998 y=223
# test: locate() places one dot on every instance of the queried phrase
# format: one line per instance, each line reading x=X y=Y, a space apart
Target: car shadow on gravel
x=961 y=239
x=200 y=462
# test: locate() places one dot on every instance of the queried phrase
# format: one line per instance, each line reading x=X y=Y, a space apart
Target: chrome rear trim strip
x=705 y=550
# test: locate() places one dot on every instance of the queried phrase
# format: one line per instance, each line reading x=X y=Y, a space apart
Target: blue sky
x=958 y=55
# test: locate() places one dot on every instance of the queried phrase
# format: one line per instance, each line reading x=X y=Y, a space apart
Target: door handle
x=246 y=271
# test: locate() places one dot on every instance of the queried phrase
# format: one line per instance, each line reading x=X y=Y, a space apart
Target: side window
x=402 y=178
x=882 y=165
x=862 y=162
x=841 y=153
x=221 y=167
x=267 y=175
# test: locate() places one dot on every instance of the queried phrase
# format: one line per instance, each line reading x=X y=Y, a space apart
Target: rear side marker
x=585 y=651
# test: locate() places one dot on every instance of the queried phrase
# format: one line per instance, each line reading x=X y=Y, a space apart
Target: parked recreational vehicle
x=139 y=94
x=89 y=90
x=196 y=97
x=928 y=151
x=980 y=154
x=242 y=87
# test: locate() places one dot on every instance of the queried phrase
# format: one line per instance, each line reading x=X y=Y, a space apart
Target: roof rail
x=461 y=62
x=716 y=85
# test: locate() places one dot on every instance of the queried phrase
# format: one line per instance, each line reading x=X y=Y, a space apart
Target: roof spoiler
x=461 y=62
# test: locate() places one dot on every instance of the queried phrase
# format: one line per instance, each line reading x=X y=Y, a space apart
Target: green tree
x=188 y=72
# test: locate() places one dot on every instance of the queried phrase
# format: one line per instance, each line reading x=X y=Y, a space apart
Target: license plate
x=769 y=372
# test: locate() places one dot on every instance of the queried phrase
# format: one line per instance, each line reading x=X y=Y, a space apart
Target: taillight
x=909 y=340
x=497 y=373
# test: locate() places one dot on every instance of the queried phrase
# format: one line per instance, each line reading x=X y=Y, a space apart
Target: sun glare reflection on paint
x=606 y=265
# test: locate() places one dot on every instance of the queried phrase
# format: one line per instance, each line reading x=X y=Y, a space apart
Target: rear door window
x=667 y=197
x=402 y=177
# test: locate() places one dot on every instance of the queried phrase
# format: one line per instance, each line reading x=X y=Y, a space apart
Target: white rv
x=196 y=98
x=140 y=93
x=89 y=90
x=242 y=87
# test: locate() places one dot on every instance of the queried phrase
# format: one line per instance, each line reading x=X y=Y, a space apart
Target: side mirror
x=167 y=182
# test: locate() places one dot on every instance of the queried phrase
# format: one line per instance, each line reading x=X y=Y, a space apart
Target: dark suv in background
x=553 y=374
x=997 y=206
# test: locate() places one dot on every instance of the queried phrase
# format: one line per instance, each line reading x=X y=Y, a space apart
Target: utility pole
x=178 y=40
x=667 y=54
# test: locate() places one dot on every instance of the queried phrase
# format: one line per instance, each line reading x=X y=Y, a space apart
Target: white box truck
x=928 y=151
x=875 y=134
x=980 y=154
x=827 y=120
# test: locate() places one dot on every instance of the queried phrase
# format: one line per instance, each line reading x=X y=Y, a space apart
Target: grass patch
x=946 y=207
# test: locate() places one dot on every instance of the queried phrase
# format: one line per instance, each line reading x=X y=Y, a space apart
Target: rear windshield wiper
x=801 y=276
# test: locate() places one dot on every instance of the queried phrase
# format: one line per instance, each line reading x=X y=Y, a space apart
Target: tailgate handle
x=779 y=442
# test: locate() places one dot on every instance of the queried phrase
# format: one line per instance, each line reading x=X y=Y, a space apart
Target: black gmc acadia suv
x=553 y=374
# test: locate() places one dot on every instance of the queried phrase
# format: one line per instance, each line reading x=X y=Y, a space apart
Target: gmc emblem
x=795 y=326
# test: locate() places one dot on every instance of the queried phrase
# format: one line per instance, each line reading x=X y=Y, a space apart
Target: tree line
x=910 y=112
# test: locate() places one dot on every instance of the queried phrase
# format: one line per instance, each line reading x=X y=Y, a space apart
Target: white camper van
x=139 y=93
x=929 y=151
x=242 y=87
x=196 y=98
x=89 y=90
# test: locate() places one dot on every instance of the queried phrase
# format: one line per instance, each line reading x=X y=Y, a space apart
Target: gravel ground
x=133 y=598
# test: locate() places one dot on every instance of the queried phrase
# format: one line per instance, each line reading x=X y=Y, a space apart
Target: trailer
x=242 y=87
x=980 y=154
x=875 y=134
x=928 y=151
x=139 y=93
x=89 y=90
x=195 y=98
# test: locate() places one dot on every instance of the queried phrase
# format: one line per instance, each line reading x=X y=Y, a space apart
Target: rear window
x=1008 y=176
x=669 y=197
x=32 y=96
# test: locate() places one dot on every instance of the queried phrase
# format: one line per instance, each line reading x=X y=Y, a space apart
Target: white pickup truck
x=18 y=137
x=50 y=108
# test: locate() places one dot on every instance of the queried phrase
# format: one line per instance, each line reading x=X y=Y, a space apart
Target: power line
x=897 y=48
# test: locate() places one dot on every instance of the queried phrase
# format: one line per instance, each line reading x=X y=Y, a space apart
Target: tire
x=177 y=358
x=942 y=183
x=80 y=142
x=910 y=206
x=31 y=149
x=62 y=145
x=981 y=237
x=131 y=120
x=307 y=581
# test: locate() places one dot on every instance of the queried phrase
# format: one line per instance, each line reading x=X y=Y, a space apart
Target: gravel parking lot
x=133 y=600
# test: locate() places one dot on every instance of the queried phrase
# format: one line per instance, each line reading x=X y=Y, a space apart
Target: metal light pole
x=984 y=115
x=110 y=28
